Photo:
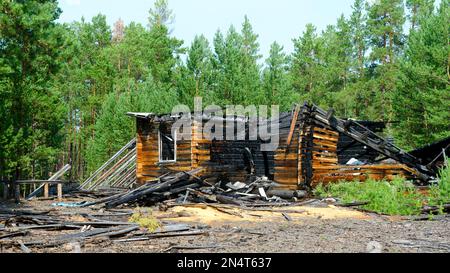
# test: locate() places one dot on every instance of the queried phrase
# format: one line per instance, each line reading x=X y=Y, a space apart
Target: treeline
x=65 y=88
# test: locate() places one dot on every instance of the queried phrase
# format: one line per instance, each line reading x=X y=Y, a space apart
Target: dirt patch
x=213 y=215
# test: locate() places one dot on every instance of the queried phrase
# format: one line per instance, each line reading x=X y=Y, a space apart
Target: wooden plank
x=364 y=167
x=286 y=168
x=325 y=159
x=201 y=152
x=282 y=157
x=293 y=124
x=327 y=138
x=326 y=131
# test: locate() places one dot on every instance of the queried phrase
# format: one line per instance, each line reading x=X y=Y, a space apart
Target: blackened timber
x=373 y=141
x=147 y=189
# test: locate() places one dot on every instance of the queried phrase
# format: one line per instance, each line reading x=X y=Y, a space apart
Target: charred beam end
x=330 y=114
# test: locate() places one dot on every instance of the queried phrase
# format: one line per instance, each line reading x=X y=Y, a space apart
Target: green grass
x=440 y=194
x=398 y=197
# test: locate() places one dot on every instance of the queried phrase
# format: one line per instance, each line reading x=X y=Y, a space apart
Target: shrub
x=398 y=197
x=440 y=193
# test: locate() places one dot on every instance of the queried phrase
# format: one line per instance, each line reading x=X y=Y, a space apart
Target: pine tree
x=131 y=57
x=31 y=112
x=161 y=15
x=164 y=49
x=276 y=81
x=336 y=56
x=199 y=64
x=359 y=36
x=306 y=67
x=251 y=87
x=114 y=129
x=385 y=24
x=419 y=10
x=423 y=97
x=227 y=65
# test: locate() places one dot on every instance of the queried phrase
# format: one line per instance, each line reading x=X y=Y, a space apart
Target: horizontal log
x=326 y=131
x=326 y=138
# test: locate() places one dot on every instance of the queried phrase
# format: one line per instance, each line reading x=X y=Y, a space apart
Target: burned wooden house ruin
x=314 y=147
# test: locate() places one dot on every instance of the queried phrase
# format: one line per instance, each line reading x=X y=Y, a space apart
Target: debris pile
x=89 y=229
x=186 y=187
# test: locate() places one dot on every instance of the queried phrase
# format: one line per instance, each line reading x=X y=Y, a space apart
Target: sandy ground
x=320 y=228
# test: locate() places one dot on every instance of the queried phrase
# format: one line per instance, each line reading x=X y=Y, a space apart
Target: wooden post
x=46 y=190
x=60 y=186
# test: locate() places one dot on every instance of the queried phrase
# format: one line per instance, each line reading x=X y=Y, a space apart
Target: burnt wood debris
x=315 y=147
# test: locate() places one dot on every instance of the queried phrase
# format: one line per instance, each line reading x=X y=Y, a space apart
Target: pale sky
x=272 y=20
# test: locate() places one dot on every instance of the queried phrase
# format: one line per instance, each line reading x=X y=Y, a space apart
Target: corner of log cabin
x=286 y=158
x=146 y=150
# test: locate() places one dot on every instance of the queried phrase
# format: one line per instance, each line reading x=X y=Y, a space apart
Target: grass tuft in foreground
x=440 y=194
x=145 y=219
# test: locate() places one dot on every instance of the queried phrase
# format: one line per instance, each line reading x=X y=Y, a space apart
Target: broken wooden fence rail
x=46 y=184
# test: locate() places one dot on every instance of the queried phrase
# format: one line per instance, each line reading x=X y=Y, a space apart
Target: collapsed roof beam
x=363 y=135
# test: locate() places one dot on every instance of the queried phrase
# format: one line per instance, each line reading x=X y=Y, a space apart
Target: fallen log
x=47 y=227
x=24 y=212
x=14 y=234
x=189 y=248
x=436 y=209
x=95 y=233
x=227 y=200
x=354 y=204
x=117 y=233
x=164 y=235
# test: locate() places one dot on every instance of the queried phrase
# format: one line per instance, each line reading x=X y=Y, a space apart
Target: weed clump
x=145 y=219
